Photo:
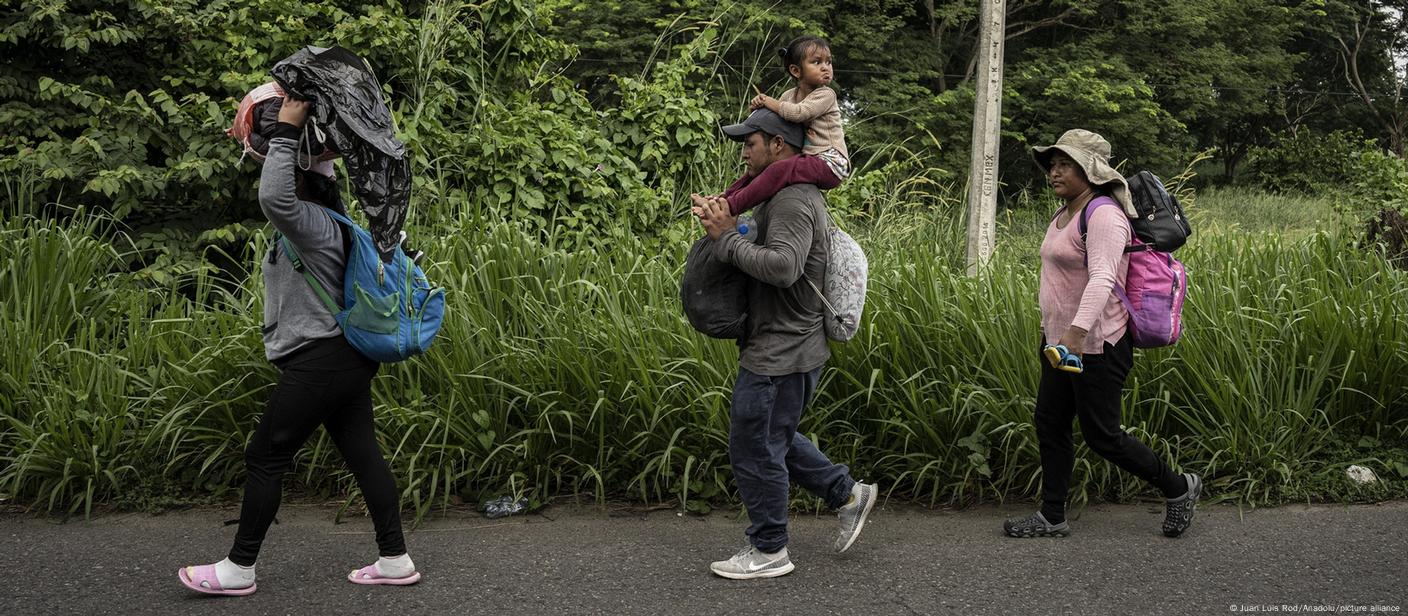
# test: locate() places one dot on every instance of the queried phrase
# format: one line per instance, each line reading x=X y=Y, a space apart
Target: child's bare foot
x=701 y=203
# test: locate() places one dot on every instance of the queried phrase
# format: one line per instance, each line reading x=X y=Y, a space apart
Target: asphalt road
x=588 y=560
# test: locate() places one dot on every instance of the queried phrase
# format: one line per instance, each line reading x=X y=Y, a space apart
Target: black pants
x=327 y=383
x=1094 y=397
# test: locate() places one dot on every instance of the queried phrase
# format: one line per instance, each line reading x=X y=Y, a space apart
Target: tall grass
x=1244 y=210
x=574 y=372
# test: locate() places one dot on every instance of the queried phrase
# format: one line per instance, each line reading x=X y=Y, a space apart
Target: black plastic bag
x=349 y=110
x=714 y=293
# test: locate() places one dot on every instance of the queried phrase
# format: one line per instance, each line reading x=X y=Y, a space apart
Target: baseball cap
x=766 y=121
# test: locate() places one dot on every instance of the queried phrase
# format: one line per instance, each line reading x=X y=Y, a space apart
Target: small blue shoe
x=1061 y=358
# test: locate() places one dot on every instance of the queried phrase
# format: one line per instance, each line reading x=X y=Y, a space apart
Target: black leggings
x=328 y=383
x=1093 y=396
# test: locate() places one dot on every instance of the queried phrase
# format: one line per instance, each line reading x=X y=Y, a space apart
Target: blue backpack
x=392 y=311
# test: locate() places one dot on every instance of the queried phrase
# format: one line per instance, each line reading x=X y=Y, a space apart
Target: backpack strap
x=297 y=261
x=1084 y=224
x=821 y=295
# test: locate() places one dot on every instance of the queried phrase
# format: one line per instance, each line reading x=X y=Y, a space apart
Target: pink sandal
x=201 y=578
x=369 y=575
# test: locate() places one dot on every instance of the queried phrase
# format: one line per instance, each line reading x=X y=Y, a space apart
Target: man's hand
x=713 y=216
x=294 y=111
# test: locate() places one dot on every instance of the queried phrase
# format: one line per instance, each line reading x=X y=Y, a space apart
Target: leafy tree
x=1372 y=46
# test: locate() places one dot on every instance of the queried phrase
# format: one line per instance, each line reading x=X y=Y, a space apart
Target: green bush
x=1380 y=183
x=130 y=122
x=1309 y=162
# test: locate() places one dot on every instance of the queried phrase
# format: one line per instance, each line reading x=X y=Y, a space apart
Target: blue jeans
x=767 y=452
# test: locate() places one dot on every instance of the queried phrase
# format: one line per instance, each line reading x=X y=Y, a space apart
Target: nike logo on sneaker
x=752 y=568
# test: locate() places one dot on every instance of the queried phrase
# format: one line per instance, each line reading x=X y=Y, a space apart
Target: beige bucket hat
x=1092 y=153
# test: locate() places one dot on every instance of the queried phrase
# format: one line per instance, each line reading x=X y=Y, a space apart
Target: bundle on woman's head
x=255 y=120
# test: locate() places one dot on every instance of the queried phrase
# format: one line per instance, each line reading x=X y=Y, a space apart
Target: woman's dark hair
x=796 y=51
x=322 y=190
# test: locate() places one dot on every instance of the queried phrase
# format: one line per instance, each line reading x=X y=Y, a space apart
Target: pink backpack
x=1153 y=291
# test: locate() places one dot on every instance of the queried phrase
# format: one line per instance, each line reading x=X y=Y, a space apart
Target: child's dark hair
x=796 y=52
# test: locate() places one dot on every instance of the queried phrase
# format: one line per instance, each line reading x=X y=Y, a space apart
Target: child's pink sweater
x=1072 y=293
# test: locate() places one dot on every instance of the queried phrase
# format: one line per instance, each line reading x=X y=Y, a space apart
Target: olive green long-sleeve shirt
x=785 y=314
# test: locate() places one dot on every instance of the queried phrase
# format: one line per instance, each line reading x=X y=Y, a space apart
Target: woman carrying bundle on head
x=323 y=380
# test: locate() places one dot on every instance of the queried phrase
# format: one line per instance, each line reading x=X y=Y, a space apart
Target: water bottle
x=747 y=227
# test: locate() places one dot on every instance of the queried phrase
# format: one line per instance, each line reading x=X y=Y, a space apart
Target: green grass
x=1247 y=211
x=575 y=372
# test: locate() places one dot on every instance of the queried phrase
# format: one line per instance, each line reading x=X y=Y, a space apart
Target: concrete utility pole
x=987 y=127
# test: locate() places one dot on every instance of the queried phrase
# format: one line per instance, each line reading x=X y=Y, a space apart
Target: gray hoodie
x=294 y=316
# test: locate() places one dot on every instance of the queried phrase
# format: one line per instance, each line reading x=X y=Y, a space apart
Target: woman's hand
x=294 y=111
x=1074 y=341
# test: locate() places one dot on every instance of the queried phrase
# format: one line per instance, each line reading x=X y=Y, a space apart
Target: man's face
x=759 y=152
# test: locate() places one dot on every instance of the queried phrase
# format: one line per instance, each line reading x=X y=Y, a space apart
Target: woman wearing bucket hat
x=1085 y=339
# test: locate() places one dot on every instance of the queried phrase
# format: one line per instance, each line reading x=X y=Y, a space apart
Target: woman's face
x=1067 y=179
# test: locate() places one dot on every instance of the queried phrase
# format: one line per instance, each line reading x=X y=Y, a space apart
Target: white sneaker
x=750 y=563
x=852 y=515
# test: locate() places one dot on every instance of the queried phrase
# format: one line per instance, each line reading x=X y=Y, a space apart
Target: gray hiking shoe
x=750 y=563
x=1035 y=525
x=852 y=515
x=1178 y=515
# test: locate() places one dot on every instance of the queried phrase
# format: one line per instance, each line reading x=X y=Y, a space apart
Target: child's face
x=815 y=69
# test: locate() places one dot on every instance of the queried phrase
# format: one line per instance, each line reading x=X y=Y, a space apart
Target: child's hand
x=700 y=204
x=762 y=100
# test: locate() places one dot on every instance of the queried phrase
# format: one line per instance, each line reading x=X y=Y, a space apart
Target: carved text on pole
x=987 y=127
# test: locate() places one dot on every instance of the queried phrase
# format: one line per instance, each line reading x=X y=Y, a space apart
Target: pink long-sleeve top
x=1074 y=293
